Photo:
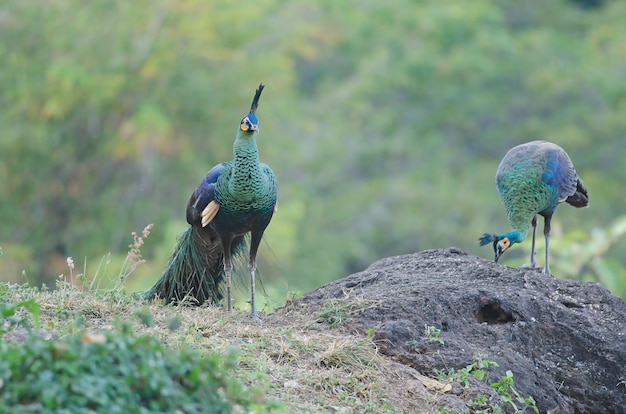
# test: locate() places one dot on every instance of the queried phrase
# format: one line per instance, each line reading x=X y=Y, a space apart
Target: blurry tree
x=584 y=256
x=99 y=99
x=385 y=122
x=425 y=110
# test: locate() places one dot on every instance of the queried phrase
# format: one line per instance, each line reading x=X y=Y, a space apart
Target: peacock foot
x=533 y=266
x=256 y=317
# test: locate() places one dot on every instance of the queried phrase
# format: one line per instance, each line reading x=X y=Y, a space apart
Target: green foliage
x=443 y=410
x=337 y=312
x=504 y=387
x=334 y=313
x=117 y=372
x=433 y=335
x=510 y=397
x=8 y=312
x=384 y=124
x=578 y=255
x=477 y=369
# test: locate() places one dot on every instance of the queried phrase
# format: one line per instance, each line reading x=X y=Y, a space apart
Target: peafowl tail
x=196 y=269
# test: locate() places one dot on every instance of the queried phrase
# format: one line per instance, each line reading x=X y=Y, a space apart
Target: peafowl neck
x=246 y=172
x=520 y=225
x=514 y=236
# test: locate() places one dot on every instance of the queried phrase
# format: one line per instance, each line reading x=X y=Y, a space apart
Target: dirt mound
x=564 y=341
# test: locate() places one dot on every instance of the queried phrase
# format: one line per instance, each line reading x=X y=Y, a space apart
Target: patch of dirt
x=563 y=340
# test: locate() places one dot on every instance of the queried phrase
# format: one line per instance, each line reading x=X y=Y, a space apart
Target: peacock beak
x=248 y=125
x=498 y=252
x=500 y=246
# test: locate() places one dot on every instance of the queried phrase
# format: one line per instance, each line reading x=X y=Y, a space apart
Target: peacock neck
x=246 y=169
x=520 y=225
x=514 y=236
x=246 y=151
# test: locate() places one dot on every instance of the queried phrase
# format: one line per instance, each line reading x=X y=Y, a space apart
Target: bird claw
x=530 y=266
x=534 y=266
x=256 y=317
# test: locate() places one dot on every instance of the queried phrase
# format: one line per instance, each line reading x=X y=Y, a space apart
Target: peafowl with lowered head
x=533 y=178
x=236 y=199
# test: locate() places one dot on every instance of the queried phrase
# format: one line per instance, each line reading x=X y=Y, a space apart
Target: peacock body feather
x=533 y=178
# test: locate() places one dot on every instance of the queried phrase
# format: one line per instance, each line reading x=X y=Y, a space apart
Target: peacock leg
x=255 y=240
x=253 y=312
x=546 y=234
x=228 y=271
x=533 y=263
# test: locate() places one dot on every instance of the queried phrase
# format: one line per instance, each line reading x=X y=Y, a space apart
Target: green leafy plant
x=433 y=334
x=8 y=313
x=504 y=387
x=477 y=369
x=334 y=313
x=510 y=396
x=117 y=372
x=584 y=256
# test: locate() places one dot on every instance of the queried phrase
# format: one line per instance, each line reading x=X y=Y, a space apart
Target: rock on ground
x=563 y=340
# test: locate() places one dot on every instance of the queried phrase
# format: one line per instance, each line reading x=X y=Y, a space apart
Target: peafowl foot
x=256 y=317
x=531 y=266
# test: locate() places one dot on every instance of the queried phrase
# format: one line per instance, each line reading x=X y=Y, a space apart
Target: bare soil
x=563 y=340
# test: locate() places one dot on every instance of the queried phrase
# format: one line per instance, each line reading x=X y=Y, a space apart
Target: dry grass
x=296 y=358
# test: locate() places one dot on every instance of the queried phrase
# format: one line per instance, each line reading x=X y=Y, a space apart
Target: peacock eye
x=245 y=124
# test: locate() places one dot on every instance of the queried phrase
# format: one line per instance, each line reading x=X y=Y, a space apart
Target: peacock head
x=500 y=243
x=250 y=123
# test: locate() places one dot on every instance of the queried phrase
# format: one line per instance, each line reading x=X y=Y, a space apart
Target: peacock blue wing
x=204 y=193
x=559 y=171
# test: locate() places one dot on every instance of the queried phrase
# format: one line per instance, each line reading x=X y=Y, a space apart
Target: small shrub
x=338 y=312
x=433 y=334
x=119 y=372
x=334 y=313
x=477 y=369
x=509 y=396
x=9 y=316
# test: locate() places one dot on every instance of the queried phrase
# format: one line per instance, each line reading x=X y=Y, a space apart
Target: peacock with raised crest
x=234 y=202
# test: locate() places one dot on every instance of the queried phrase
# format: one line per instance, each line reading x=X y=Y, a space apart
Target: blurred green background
x=383 y=121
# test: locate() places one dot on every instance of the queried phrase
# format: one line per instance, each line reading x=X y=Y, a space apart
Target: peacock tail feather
x=195 y=269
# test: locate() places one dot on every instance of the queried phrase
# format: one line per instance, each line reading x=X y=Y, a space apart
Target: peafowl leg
x=533 y=263
x=253 y=312
x=255 y=240
x=228 y=271
x=546 y=234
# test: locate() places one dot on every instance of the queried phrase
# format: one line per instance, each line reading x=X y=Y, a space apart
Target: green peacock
x=533 y=178
x=234 y=202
